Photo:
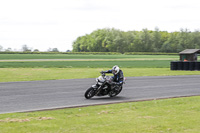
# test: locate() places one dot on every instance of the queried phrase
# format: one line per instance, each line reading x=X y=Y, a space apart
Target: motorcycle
x=104 y=86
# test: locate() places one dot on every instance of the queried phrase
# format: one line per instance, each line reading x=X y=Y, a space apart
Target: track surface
x=39 y=95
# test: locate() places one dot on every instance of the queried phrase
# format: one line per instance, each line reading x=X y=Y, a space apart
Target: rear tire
x=119 y=90
x=89 y=93
x=112 y=93
x=115 y=93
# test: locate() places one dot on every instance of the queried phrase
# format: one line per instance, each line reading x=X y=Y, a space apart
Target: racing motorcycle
x=104 y=86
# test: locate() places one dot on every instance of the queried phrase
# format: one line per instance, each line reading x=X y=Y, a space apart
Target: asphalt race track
x=41 y=95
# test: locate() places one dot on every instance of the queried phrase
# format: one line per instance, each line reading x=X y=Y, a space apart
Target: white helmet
x=115 y=69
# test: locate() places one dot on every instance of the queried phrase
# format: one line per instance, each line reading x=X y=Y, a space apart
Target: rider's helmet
x=115 y=69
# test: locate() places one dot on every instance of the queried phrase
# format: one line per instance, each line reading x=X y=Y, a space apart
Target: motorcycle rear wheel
x=89 y=93
x=115 y=93
x=112 y=93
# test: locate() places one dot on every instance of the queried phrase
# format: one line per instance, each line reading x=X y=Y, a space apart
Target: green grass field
x=180 y=115
x=87 y=64
x=14 y=68
x=85 y=61
x=32 y=74
x=77 y=56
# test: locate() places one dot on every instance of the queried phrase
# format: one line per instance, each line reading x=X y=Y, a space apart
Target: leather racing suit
x=118 y=79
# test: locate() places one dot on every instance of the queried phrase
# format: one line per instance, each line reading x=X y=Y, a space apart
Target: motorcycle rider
x=118 y=77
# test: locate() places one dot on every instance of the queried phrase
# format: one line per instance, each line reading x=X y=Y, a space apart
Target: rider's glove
x=102 y=72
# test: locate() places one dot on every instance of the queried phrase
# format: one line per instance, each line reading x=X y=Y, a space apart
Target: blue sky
x=44 y=24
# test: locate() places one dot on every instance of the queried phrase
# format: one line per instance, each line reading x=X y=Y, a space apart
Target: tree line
x=114 y=40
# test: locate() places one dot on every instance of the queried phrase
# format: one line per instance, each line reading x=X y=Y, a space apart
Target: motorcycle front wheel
x=89 y=93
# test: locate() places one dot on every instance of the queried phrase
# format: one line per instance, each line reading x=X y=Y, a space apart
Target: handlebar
x=103 y=74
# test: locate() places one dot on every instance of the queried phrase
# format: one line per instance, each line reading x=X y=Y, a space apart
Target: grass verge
x=180 y=115
x=87 y=64
x=31 y=74
x=81 y=56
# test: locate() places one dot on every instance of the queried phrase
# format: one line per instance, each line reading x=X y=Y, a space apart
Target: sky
x=44 y=24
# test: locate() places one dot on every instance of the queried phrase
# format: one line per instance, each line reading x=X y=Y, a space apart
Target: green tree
x=137 y=44
x=114 y=40
x=184 y=39
x=195 y=39
x=96 y=42
x=35 y=50
x=156 y=40
x=146 y=37
x=25 y=48
x=76 y=45
x=55 y=50
x=171 y=45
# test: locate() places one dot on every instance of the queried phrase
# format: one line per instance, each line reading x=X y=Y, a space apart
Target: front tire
x=89 y=93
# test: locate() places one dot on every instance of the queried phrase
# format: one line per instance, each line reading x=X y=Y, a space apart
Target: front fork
x=98 y=88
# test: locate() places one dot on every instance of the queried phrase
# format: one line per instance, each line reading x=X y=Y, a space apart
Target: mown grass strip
x=39 y=60
x=88 y=64
x=79 y=56
x=32 y=74
x=180 y=115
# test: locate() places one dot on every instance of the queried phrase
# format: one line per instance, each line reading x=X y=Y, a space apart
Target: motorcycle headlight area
x=99 y=83
x=100 y=79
